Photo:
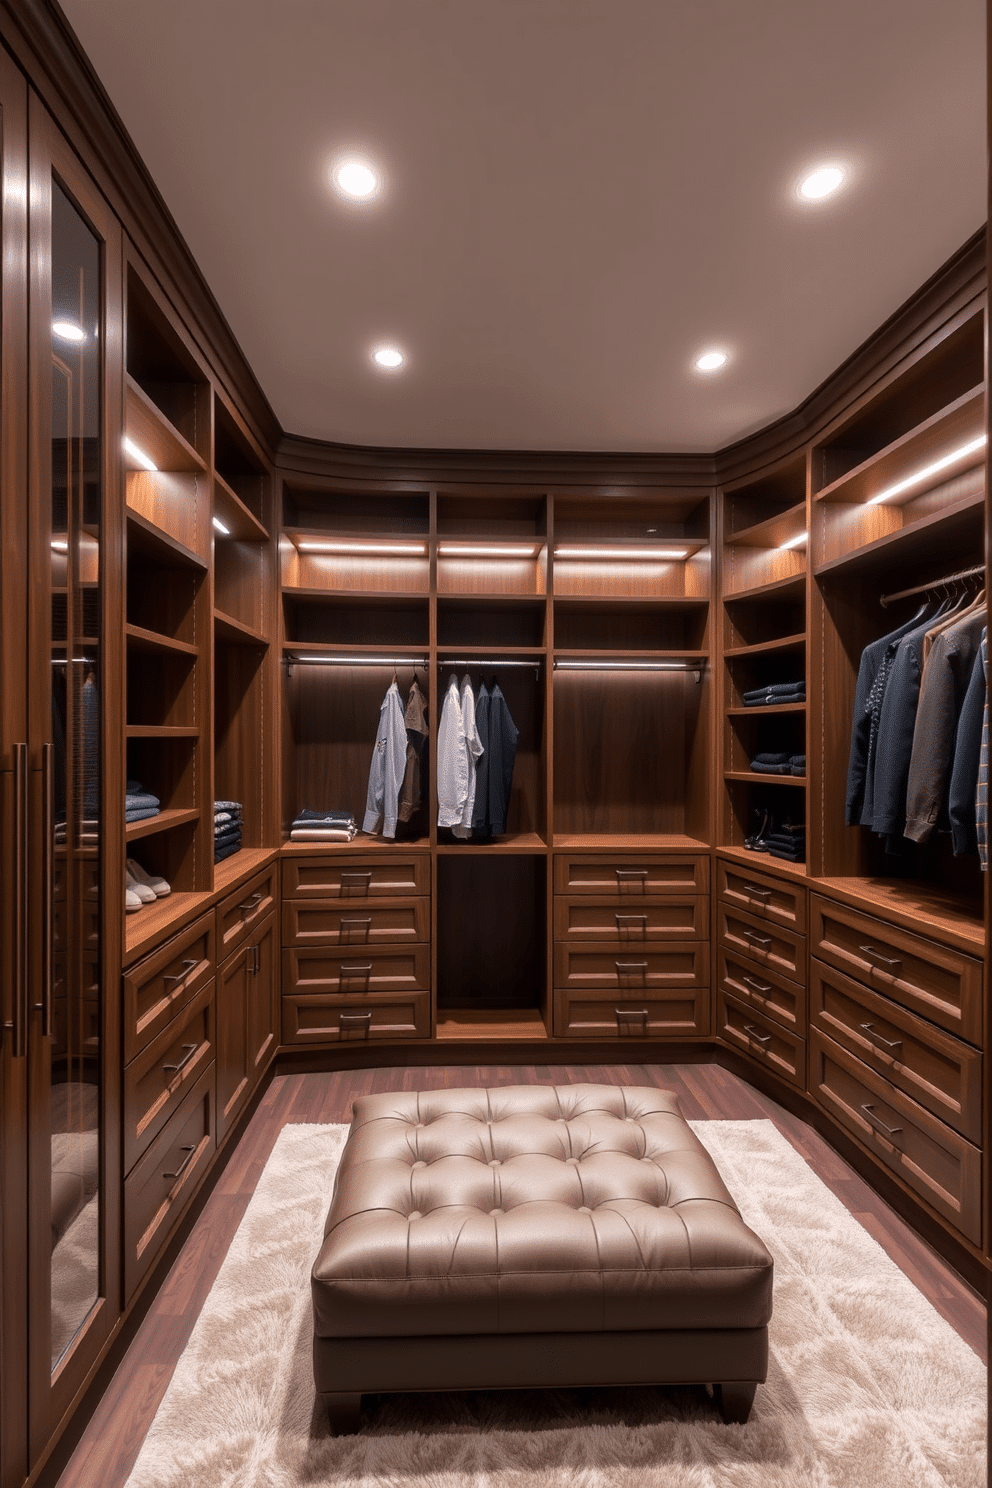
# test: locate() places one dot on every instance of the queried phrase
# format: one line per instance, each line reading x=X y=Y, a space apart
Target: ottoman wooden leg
x=344 y=1413
x=735 y=1398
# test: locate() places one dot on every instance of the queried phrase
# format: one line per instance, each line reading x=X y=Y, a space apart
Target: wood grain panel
x=672 y=1013
x=761 y=894
x=778 y=949
x=764 y=1039
x=631 y=876
x=766 y=991
x=680 y=917
x=328 y=923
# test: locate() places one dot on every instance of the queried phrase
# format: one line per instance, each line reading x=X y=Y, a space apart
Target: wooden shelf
x=642 y=601
x=139 y=639
x=240 y=865
x=771 y=708
x=226 y=628
x=492 y=653
x=350 y=596
x=765 y=861
x=164 y=822
x=794 y=586
x=242 y=524
x=620 y=656
x=360 y=844
x=929 y=539
x=959 y=423
x=773 y=531
x=149 y=926
x=516 y=843
x=923 y=907
x=161 y=731
x=352 y=543
x=627 y=842
x=152 y=432
x=765 y=648
x=490 y=1024
x=764 y=779
x=144 y=536
x=469 y=598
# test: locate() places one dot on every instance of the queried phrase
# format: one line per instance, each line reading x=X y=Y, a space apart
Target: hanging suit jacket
x=473 y=748
x=416 y=744
x=388 y=763
x=946 y=675
x=964 y=775
x=871 y=660
x=452 y=759
x=492 y=807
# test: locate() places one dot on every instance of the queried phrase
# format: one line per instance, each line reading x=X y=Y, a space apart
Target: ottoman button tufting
x=494 y=1162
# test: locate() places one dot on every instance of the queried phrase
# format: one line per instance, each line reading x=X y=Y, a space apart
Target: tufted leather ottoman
x=534 y=1236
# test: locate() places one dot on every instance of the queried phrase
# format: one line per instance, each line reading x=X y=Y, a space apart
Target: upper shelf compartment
x=649 y=547
x=765 y=532
x=242 y=485
x=345 y=542
x=496 y=548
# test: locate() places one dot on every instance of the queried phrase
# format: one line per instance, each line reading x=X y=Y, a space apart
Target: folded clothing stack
x=787 y=842
x=227 y=829
x=775 y=693
x=779 y=764
x=139 y=804
x=323 y=826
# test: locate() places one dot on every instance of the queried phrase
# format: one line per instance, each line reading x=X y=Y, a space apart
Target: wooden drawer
x=774 y=899
x=240 y=912
x=159 y=1186
x=775 y=948
x=355 y=1020
x=631 y=970
x=373 y=969
x=773 y=995
x=681 y=917
x=670 y=1014
x=156 y=1082
x=384 y=877
x=157 y=987
x=930 y=1158
x=941 y=1073
x=942 y=984
x=326 y=922
x=625 y=876
x=741 y=1026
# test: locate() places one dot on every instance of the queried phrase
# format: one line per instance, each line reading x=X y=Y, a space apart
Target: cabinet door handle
x=19 y=1011
x=249 y=905
x=759 y=1038
x=185 y=1162
x=355 y=1020
x=755 y=891
x=760 y=987
x=623 y=966
x=180 y=976
x=622 y=919
x=48 y=886
x=873 y=955
x=876 y=1037
x=756 y=939
x=188 y=1051
x=878 y=1123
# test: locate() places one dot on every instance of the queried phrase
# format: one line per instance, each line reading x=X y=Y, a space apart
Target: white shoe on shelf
x=141 y=891
x=131 y=901
x=158 y=886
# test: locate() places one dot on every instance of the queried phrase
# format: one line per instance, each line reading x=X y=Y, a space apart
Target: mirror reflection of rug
x=868 y=1386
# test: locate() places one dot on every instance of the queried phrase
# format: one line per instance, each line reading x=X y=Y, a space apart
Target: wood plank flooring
x=110 y=1443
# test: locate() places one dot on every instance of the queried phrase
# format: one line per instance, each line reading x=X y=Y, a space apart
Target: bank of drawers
x=893 y=1020
x=356 y=948
x=761 y=970
x=631 y=945
x=169 y=1066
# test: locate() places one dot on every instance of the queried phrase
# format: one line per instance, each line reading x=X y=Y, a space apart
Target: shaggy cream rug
x=868 y=1387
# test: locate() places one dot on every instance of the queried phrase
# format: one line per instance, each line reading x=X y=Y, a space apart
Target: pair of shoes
x=141 y=886
x=756 y=842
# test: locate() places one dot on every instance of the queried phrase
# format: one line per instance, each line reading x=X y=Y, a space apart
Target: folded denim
x=772 y=759
x=227 y=806
x=774 y=699
x=789 y=857
x=309 y=818
x=224 y=839
x=138 y=800
x=775 y=688
x=761 y=769
x=220 y=853
x=141 y=813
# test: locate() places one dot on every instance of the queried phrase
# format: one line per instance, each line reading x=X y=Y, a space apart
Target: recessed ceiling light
x=355 y=179
x=388 y=356
x=68 y=331
x=712 y=361
x=824 y=181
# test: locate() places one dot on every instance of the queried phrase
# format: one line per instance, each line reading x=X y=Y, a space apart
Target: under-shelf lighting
x=626 y=666
x=60 y=545
x=352 y=660
x=484 y=550
x=224 y=531
x=138 y=455
x=401 y=549
x=68 y=331
x=795 y=542
x=919 y=476
x=638 y=555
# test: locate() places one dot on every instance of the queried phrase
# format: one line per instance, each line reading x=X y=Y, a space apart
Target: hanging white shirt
x=388 y=765
x=473 y=750
x=452 y=759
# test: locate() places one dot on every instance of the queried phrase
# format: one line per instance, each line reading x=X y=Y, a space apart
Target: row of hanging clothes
x=398 y=767
x=919 y=737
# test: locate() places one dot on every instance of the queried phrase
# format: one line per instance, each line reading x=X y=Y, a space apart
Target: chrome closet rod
x=964 y=573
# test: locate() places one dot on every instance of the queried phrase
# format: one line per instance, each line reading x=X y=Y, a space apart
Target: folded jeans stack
x=139 y=804
x=779 y=764
x=228 y=829
x=788 y=842
x=323 y=826
x=775 y=694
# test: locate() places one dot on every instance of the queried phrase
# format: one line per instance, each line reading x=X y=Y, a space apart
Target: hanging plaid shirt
x=982 y=797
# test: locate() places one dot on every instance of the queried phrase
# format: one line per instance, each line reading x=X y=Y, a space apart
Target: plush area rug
x=868 y=1387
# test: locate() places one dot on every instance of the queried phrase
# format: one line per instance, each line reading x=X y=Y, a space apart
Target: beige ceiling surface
x=580 y=195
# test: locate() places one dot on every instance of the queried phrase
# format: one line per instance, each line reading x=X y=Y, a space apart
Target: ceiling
x=579 y=196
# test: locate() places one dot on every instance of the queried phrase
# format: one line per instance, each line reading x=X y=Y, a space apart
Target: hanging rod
x=578 y=665
x=964 y=573
x=486 y=664
x=289 y=661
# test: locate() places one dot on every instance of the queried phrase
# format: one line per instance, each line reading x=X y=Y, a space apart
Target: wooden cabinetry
x=247 y=1018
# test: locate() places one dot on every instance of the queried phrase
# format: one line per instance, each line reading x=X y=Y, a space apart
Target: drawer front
x=327 y=922
x=674 y=1014
x=373 y=969
x=157 y=987
x=774 y=996
x=385 y=877
x=941 y=984
x=157 y=1190
x=240 y=912
x=625 y=876
x=355 y=1020
x=681 y=917
x=941 y=1073
x=774 y=899
x=780 y=950
x=156 y=1082
x=630 y=970
x=930 y=1158
x=739 y=1025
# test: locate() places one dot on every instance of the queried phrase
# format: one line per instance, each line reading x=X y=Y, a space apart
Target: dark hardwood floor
x=111 y=1441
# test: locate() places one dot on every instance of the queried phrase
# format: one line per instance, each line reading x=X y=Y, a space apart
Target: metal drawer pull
x=641 y=919
x=876 y=1038
x=357 y=970
x=756 y=939
x=757 y=892
x=888 y=961
x=249 y=905
x=761 y=987
x=189 y=1051
x=180 y=976
x=366 y=921
x=631 y=1014
x=364 y=1019
x=759 y=1038
x=355 y=875
x=631 y=872
x=185 y=1162
x=623 y=966
x=878 y=1124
